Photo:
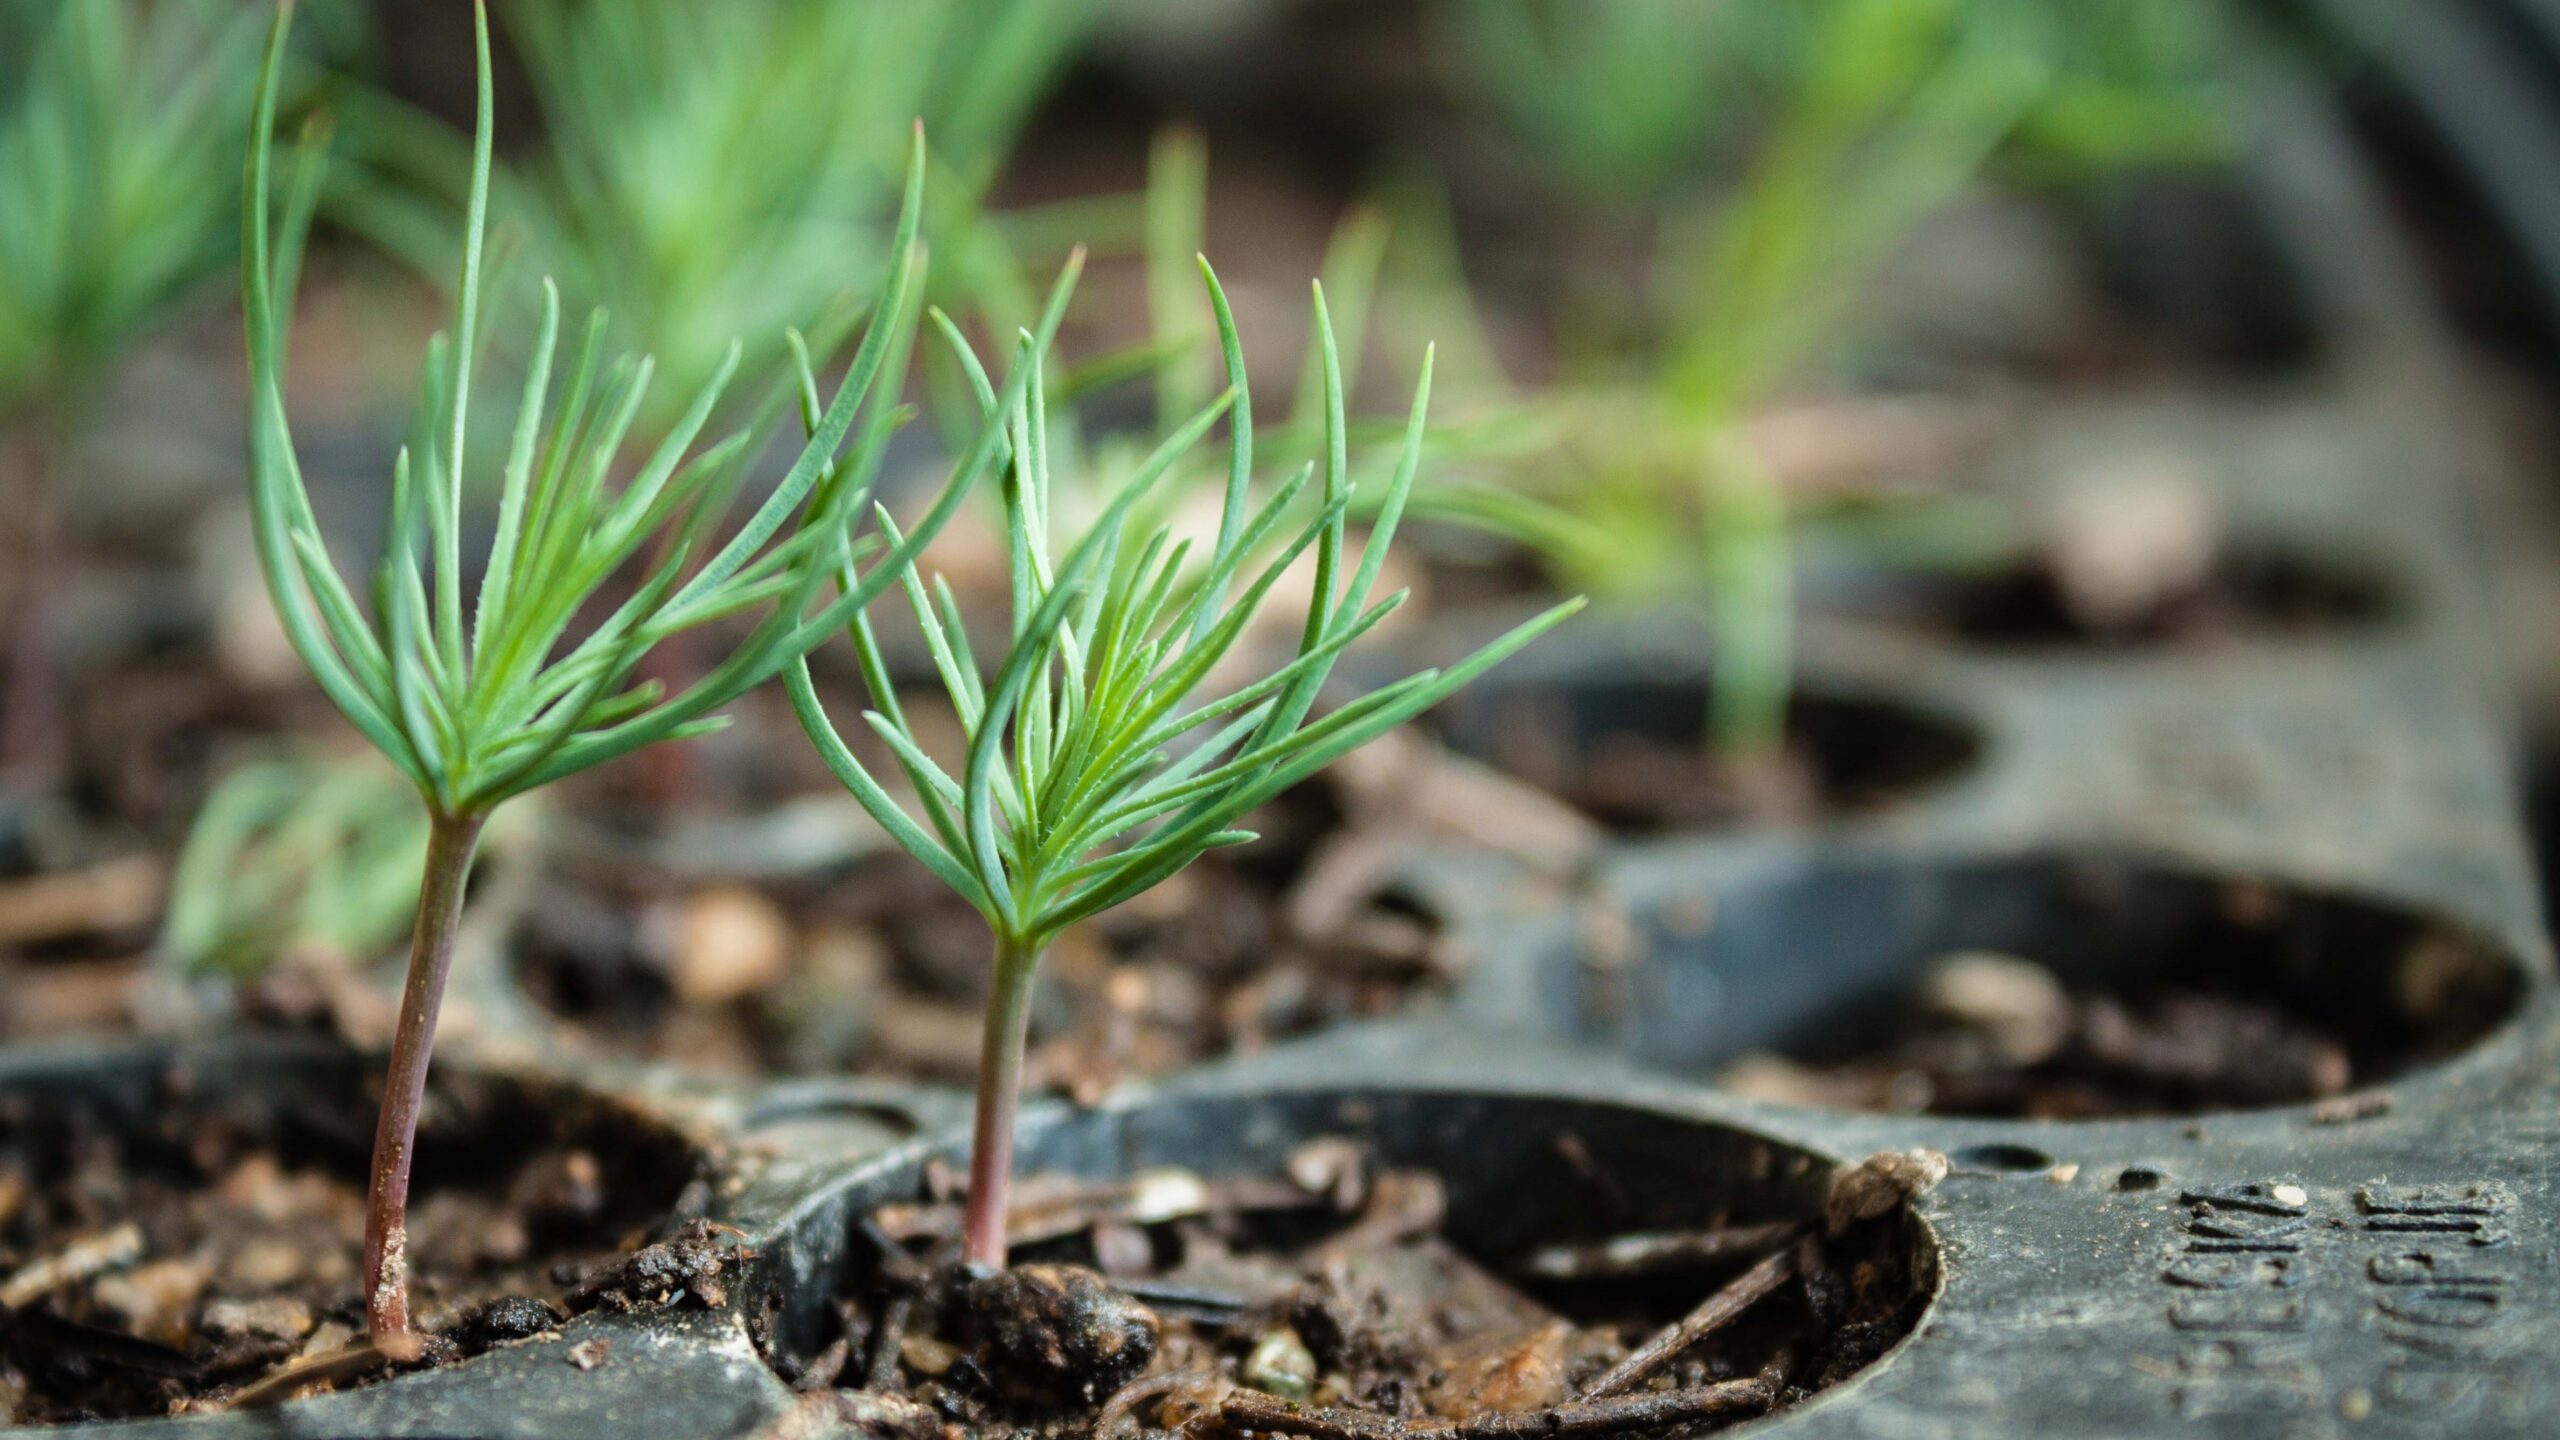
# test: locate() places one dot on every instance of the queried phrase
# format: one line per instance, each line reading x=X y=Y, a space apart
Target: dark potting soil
x=1328 y=1302
x=2245 y=593
x=84 y=864
x=1629 y=753
x=1992 y=1035
x=882 y=970
x=162 y=1268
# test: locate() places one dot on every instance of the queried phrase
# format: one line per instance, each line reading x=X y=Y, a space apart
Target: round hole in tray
x=2255 y=590
x=1625 y=743
x=1999 y=1158
x=1828 y=980
x=243 y=1170
x=1522 y=1173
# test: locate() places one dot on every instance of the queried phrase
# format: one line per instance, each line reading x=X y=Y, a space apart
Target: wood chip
x=1654 y=1410
x=1623 y=1257
x=118 y=895
x=1501 y=1374
x=358 y=1358
x=73 y=1262
x=1741 y=1293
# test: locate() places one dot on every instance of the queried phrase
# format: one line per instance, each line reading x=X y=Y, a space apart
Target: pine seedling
x=1889 y=108
x=479 y=699
x=1615 y=102
x=1092 y=770
x=116 y=140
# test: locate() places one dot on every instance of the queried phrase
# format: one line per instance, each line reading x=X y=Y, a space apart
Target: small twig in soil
x=1717 y=1310
x=872 y=1413
x=1195 y=1303
x=359 y=1357
x=1653 y=1410
x=1650 y=1252
x=1154 y=1198
x=1138 y=1392
x=899 y=1269
x=886 y=1338
x=74 y=1262
x=825 y=1367
x=1576 y=1153
x=1401 y=1203
x=831 y=1414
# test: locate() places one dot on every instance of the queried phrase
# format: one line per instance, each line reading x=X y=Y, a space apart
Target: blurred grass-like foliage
x=1784 y=153
x=1641 y=100
x=296 y=856
x=120 y=152
x=717 y=171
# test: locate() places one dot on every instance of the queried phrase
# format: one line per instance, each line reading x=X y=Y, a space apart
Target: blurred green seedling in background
x=119 y=145
x=717 y=171
x=310 y=858
x=1880 y=112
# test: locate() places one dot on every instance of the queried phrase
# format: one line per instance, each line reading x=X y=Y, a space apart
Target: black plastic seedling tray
x=2379 y=1263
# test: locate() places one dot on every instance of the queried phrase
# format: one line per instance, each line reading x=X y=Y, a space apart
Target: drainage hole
x=2001 y=1159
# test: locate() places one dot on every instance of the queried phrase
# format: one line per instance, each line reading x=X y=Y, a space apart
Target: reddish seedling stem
x=450 y=843
x=999 y=1102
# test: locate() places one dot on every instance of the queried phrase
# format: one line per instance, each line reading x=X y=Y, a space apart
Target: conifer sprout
x=1887 y=110
x=1091 y=773
x=116 y=144
x=479 y=698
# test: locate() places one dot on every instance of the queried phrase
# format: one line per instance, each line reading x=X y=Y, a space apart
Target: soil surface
x=2244 y=594
x=878 y=968
x=1994 y=1035
x=1327 y=1301
x=84 y=863
x=1628 y=753
x=164 y=1268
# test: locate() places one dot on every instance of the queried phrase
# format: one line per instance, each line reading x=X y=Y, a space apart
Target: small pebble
x=1281 y=1365
x=589 y=1354
x=2342 y=1109
x=927 y=1356
x=2017 y=1005
x=275 y=1317
x=731 y=943
x=264 y=1265
x=329 y=1336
